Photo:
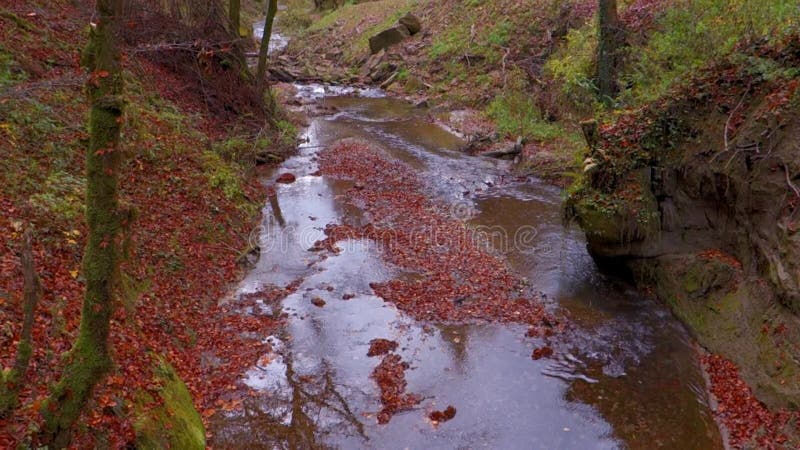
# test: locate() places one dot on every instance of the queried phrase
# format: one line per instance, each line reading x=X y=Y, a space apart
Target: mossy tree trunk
x=234 y=11
x=263 y=53
x=89 y=359
x=610 y=41
x=11 y=380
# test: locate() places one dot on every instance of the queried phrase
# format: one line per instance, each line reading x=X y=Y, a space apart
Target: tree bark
x=11 y=381
x=89 y=360
x=234 y=9
x=608 y=50
x=261 y=71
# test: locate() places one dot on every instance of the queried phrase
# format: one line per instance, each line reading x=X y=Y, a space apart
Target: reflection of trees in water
x=276 y=209
x=455 y=337
x=299 y=417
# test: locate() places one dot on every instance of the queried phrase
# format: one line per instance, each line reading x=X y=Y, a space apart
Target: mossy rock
x=619 y=218
x=728 y=314
x=600 y=226
x=175 y=423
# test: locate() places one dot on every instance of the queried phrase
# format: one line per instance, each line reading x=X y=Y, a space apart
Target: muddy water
x=625 y=374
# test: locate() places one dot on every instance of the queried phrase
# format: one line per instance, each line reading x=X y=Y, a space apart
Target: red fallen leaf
x=542 y=352
x=286 y=178
x=318 y=302
x=102 y=74
x=443 y=416
x=458 y=279
x=391 y=380
x=380 y=346
x=348 y=296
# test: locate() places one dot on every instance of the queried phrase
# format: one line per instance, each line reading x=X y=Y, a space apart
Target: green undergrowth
x=697 y=50
x=9 y=75
x=516 y=115
x=687 y=36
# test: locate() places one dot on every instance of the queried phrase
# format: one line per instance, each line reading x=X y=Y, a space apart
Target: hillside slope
x=196 y=204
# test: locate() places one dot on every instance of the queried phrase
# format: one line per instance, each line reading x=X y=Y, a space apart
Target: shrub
x=694 y=32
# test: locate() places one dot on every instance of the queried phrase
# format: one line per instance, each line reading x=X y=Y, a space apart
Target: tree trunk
x=608 y=50
x=89 y=360
x=234 y=12
x=11 y=381
x=261 y=72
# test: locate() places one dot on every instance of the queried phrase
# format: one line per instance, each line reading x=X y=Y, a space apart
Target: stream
x=625 y=374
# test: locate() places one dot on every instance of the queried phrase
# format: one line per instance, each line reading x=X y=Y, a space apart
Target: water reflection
x=295 y=415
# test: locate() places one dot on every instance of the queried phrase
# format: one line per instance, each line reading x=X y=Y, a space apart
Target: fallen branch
x=26 y=89
x=190 y=46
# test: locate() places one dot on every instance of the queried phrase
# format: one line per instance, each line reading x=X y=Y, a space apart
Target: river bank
x=191 y=183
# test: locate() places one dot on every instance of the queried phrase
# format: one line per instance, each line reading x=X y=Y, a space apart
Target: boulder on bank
x=408 y=25
x=411 y=22
x=388 y=38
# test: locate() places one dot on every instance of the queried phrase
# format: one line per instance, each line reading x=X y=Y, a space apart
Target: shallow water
x=626 y=374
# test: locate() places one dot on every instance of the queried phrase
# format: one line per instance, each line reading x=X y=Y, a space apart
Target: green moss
x=221 y=176
x=731 y=317
x=175 y=423
x=617 y=218
x=500 y=33
x=18 y=21
x=9 y=74
x=8 y=395
x=60 y=197
x=87 y=363
x=691 y=283
x=449 y=43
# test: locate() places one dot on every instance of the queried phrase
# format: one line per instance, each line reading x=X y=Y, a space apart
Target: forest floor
x=196 y=209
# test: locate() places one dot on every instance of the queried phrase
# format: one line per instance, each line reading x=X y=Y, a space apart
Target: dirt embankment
x=698 y=195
